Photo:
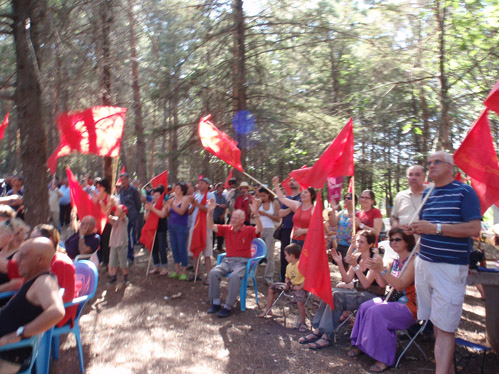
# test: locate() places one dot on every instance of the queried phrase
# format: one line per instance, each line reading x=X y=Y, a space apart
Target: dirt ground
x=133 y=329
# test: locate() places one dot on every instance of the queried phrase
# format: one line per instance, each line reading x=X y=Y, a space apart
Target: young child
x=294 y=282
x=118 y=244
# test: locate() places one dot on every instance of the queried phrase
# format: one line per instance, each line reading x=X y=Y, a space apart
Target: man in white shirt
x=408 y=201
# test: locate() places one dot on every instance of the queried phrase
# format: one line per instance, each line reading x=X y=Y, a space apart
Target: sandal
x=309 y=338
x=265 y=314
x=303 y=327
x=319 y=344
x=163 y=272
x=378 y=367
x=354 y=352
x=154 y=271
x=182 y=277
x=173 y=275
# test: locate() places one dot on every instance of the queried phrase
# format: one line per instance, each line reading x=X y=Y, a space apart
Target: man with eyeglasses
x=448 y=221
x=408 y=201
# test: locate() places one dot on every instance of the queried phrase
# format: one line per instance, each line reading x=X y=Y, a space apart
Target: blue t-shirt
x=454 y=203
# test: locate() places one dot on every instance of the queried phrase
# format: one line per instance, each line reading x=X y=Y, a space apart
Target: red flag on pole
x=198 y=242
x=84 y=205
x=313 y=259
x=336 y=161
x=160 y=179
x=226 y=184
x=287 y=187
x=151 y=225
x=97 y=130
x=492 y=101
x=123 y=170
x=219 y=143
x=5 y=122
x=477 y=157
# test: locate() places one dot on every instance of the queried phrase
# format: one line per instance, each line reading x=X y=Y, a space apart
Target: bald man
x=85 y=240
x=37 y=306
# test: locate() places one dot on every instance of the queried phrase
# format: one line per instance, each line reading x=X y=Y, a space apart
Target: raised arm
x=291 y=204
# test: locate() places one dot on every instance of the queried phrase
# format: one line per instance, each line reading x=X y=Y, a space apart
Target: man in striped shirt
x=448 y=221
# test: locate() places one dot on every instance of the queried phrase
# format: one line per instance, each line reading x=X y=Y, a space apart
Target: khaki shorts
x=118 y=257
x=440 y=290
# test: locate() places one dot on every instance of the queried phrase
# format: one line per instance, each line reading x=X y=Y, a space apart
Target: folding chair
x=473 y=346
x=287 y=295
x=343 y=323
x=412 y=340
x=86 y=279
x=258 y=252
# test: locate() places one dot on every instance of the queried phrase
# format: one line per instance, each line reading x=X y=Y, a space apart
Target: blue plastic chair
x=258 y=253
x=40 y=346
x=87 y=275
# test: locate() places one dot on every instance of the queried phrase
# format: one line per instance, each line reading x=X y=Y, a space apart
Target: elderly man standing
x=238 y=237
x=408 y=201
x=85 y=240
x=130 y=197
x=448 y=221
x=36 y=307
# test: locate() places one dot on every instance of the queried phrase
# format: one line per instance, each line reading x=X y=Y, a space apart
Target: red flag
x=219 y=143
x=198 y=242
x=84 y=205
x=97 y=130
x=150 y=227
x=226 y=184
x=285 y=182
x=336 y=161
x=492 y=101
x=123 y=170
x=313 y=259
x=160 y=179
x=477 y=157
x=287 y=187
x=5 y=122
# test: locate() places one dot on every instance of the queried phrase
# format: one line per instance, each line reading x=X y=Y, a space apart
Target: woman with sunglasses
x=376 y=321
x=369 y=217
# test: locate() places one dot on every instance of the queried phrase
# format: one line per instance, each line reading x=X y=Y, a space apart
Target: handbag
x=277 y=232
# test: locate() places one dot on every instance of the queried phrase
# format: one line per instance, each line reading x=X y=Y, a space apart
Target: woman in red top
x=369 y=218
x=303 y=211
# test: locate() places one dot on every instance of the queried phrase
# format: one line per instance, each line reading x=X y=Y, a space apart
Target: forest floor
x=133 y=329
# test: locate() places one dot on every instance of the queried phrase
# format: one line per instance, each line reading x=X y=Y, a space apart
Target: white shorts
x=440 y=290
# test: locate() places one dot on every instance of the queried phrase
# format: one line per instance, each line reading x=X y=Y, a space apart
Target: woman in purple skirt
x=376 y=321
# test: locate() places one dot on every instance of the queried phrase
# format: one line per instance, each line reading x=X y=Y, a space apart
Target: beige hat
x=244 y=184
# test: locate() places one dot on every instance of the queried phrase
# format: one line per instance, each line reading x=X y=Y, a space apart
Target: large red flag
x=160 y=179
x=477 y=157
x=336 y=161
x=287 y=187
x=84 y=205
x=198 y=242
x=492 y=101
x=313 y=259
x=5 y=122
x=97 y=130
x=219 y=143
x=150 y=227
x=226 y=184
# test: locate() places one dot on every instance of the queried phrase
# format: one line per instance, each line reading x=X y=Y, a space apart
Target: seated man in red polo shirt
x=238 y=239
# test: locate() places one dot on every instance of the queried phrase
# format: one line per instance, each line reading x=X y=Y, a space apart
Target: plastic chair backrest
x=86 y=278
x=258 y=248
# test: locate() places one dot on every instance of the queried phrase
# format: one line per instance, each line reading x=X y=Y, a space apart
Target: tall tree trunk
x=105 y=77
x=239 y=68
x=137 y=106
x=444 y=129
x=28 y=21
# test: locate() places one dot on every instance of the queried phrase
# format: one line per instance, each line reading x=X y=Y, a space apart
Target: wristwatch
x=439 y=229
x=20 y=332
x=357 y=267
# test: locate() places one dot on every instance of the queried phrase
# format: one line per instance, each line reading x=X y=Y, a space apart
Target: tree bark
x=28 y=20
x=137 y=105
x=441 y=13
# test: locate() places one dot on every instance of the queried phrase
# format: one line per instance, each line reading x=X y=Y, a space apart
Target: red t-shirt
x=238 y=243
x=367 y=218
x=243 y=203
x=301 y=220
x=64 y=269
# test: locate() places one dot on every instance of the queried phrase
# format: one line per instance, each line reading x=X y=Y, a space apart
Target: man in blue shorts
x=449 y=220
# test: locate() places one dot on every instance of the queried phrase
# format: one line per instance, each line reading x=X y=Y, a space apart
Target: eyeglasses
x=437 y=162
x=396 y=239
x=348 y=198
x=365 y=197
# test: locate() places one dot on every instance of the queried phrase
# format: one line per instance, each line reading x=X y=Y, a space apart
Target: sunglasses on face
x=396 y=239
x=436 y=162
x=348 y=198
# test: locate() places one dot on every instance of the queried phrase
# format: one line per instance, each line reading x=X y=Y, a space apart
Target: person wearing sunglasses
x=407 y=202
x=374 y=331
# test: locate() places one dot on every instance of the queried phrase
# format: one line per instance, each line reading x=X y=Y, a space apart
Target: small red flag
x=336 y=161
x=97 y=130
x=313 y=259
x=5 y=122
x=492 y=101
x=198 y=242
x=123 y=170
x=84 y=205
x=477 y=157
x=160 y=179
x=150 y=227
x=219 y=143
x=226 y=184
